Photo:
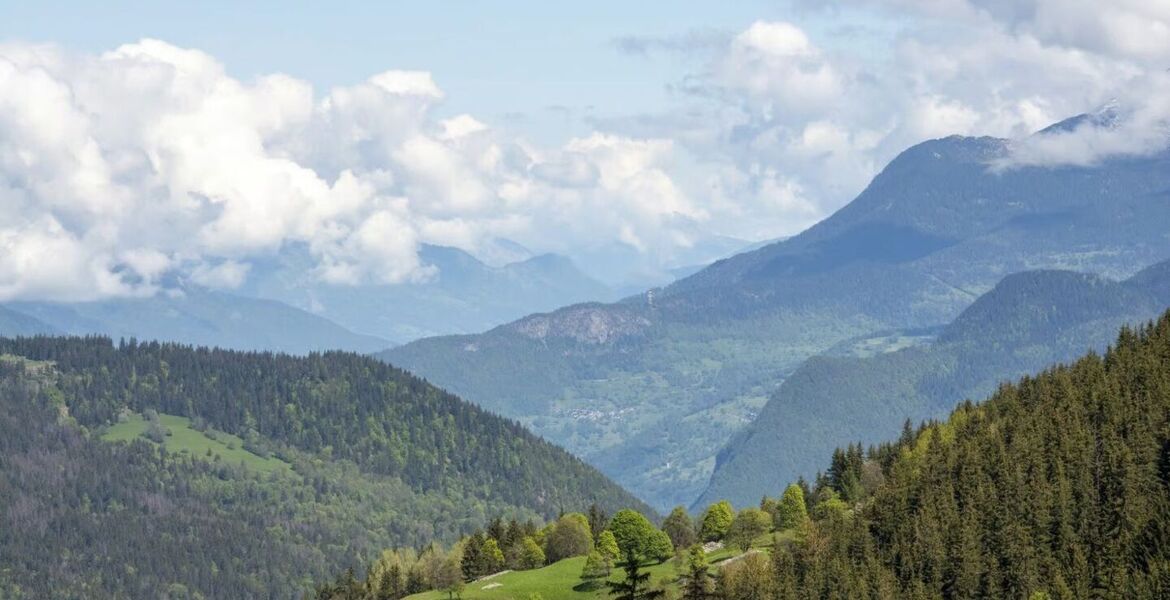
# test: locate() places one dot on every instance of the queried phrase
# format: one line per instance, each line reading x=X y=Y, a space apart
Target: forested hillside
x=1027 y=322
x=651 y=388
x=1055 y=488
x=1058 y=485
x=146 y=469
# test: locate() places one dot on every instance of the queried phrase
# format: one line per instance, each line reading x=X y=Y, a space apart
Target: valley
x=686 y=366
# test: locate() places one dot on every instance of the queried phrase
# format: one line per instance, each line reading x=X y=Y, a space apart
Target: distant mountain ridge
x=1027 y=322
x=15 y=323
x=936 y=229
x=193 y=315
x=464 y=295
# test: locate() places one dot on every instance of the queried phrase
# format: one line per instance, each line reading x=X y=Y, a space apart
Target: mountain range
x=191 y=315
x=1029 y=321
x=462 y=295
x=284 y=307
x=650 y=388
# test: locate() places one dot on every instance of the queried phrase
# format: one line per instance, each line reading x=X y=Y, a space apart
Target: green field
x=184 y=439
x=559 y=580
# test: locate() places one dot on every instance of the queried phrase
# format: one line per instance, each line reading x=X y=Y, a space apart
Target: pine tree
x=636 y=585
x=679 y=527
x=697 y=580
x=598 y=520
x=472 y=562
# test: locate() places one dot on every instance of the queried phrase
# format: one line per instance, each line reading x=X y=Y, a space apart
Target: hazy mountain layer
x=200 y=317
x=650 y=388
x=1030 y=320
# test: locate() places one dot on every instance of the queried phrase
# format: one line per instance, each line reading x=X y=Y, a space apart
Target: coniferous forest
x=274 y=470
x=1056 y=487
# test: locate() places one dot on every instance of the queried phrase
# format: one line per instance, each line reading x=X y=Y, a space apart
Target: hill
x=158 y=470
x=1057 y=487
x=464 y=295
x=650 y=388
x=1028 y=321
x=193 y=315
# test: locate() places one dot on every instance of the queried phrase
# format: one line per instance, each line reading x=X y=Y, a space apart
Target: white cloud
x=119 y=169
x=228 y=274
x=777 y=63
x=1131 y=29
x=1137 y=123
x=811 y=121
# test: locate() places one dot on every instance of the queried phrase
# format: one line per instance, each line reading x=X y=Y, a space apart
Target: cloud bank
x=149 y=160
x=123 y=170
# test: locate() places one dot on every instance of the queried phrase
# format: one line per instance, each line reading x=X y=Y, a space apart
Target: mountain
x=13 y=323
x=197 y=316
x=1028 y=321
x=157 y=470
x=464 y=295
x=1058 y=486
x=650 y=388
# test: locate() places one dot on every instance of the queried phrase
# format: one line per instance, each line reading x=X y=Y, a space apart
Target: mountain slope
x=201 y=317
x=1058 y=486
x=13 y=323
x=337 y=456
x=465 y=295
x=1028 y=321
x=665 y=379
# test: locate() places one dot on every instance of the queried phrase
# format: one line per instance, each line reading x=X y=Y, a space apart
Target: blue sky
x=492 y=58
x=139 y=139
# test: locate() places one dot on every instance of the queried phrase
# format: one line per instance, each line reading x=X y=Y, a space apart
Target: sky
x=140 y=140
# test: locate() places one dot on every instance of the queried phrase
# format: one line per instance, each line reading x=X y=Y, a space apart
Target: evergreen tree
x=636 y=585
x=473 y=564
x=697 y=580
x=598 y=520
x=679 y=527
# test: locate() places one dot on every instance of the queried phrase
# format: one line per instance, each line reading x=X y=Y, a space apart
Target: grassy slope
x=184 y=439
x=558 y=580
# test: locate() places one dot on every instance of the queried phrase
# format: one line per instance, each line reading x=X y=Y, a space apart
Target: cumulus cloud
x=1138 y=123
x=125 y=171
x=1135 y=29
x=790 y=127
x=121 y=169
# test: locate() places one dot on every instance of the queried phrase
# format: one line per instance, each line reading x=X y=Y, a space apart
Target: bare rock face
x=587 y=323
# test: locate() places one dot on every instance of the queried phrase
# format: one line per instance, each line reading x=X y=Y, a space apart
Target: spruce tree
x=636 y=585
x=697 y=581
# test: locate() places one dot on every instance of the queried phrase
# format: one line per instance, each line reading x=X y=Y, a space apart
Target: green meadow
x=209 y=444
x=562 y=580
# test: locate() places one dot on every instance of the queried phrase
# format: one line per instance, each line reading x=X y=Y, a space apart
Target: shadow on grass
x=589 y=586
